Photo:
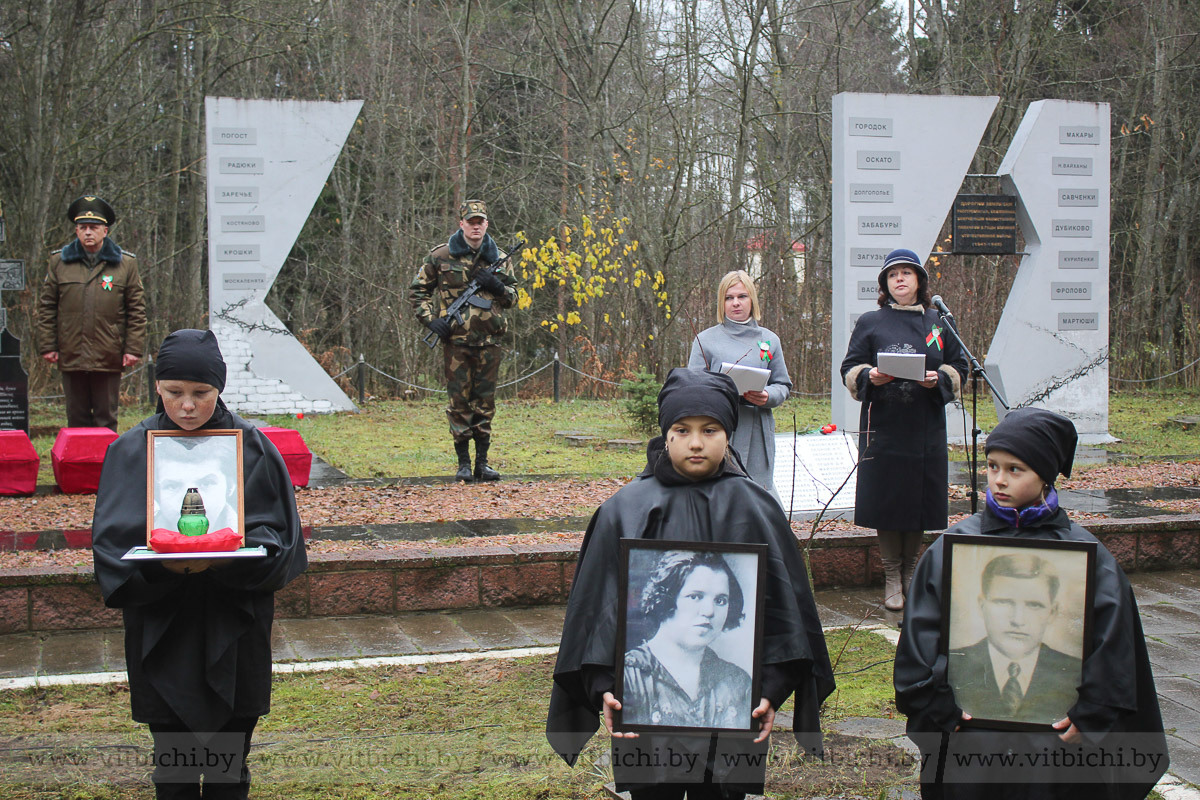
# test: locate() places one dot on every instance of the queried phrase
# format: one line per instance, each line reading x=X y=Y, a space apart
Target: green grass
x=453 y=731
x=396 y=438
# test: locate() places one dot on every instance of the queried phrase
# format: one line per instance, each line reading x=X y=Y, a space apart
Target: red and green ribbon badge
x=935 y=335
x=106 y=282
x=765 y=351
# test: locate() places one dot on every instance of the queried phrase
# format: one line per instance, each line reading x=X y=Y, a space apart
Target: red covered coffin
x=295 y=452
x=77 y=456
x=18 y=463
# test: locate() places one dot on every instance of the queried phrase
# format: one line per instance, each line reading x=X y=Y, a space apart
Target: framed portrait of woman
x=208 y=461
x=1016 y=627
x=689 y=635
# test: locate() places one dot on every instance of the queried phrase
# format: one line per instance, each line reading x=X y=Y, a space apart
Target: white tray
x=143 y=553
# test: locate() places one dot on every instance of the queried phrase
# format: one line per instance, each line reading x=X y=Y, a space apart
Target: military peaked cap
x=90 y=208
x=471 y=209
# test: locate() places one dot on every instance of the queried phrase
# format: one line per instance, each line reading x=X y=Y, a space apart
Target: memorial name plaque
x=237 y=194
x=1079 y=321
x=1066 y=165
x=871 y=193
x=984 y=223
x=810 y=468
x=879 y=226
x=1086 y=198
x=854 y=320
x=244 y=223
x=1079 y=259
x=879 y=159
x=12 y=275
x=240 y=165
x=14 y=385
x=868 y=290
x=234 y=136
x=239 y=252
x=243 y=281
x=870 y=126
x=1071 y=228
x=1078 y=134
x=868 y=257
x=1070 y=291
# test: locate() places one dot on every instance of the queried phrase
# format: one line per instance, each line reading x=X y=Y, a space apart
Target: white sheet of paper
x=748 y=379
x=910 y=366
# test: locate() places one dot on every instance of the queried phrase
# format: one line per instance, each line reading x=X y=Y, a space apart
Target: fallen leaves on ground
x=508 y=499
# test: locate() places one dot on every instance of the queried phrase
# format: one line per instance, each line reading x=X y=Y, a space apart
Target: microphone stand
x=977 y=372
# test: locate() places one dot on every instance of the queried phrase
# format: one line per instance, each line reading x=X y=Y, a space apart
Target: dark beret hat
x=191 y=355
x=1042 y=439
x=698 y=393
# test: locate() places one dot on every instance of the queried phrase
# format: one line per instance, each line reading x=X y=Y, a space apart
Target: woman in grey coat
x=738 y=339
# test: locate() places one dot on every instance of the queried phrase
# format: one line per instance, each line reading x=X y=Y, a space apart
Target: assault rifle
x=454 y=314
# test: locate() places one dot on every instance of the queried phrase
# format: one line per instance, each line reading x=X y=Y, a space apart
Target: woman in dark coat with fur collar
x=902 y=469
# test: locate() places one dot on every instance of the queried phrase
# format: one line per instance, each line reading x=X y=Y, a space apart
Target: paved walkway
x=1169 y=601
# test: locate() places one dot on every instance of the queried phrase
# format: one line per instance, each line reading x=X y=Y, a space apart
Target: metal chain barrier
x=584 y=374
x=397 y=380
x=530 y=375
x=1159 y=378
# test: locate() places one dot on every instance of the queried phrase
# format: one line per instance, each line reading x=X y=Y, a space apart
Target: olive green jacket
x=91 y=316
x=442 y=278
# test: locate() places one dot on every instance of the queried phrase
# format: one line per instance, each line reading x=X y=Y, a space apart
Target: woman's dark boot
x=463 y=451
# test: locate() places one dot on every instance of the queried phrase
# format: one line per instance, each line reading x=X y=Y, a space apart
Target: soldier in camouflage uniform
x=472 y=351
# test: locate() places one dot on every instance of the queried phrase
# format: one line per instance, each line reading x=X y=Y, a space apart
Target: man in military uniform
x=91 y=316
x=472 y=351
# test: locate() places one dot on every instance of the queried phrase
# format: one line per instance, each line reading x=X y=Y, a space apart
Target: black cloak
x=1117 y=708
x=902 y=471
x=197 y=647
x=659 y=504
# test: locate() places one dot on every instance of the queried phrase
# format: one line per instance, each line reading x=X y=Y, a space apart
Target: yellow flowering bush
x=595 y=267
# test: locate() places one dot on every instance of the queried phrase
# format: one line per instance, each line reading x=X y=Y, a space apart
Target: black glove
x=440 y=327
x=488 y=281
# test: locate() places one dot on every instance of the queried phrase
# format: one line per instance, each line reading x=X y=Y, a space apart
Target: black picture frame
x=1039 y=596
x=727 y=682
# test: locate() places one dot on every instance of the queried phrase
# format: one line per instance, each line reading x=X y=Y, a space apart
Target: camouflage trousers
x=471 y=374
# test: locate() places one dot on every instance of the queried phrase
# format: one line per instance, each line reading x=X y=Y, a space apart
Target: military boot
x=482 y=471
x=463 y=451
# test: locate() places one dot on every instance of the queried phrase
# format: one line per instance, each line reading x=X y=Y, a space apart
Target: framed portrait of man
x=1016 y=627
x=689 y=635
x=209 y=462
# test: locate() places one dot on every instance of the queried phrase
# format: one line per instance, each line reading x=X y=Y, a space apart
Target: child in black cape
x=1111 y=742
x=694 y=489
x=197 y=633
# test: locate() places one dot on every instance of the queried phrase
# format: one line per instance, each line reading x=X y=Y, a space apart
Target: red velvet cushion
x=77 y=456
x=18 y=463
x=295 y=452
x=222 y=541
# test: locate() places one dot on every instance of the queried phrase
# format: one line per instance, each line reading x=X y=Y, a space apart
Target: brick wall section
x=384 y=582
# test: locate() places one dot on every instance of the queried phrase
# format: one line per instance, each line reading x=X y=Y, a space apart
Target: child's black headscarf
x=698 y=393
x=191 y=355
x=1042 y=439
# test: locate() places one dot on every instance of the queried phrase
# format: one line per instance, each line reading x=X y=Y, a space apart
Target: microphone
x=940 y=305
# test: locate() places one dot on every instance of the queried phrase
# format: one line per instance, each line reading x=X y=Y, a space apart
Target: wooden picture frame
x=676 y=618
x=210 y=460
x=1016 y=627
